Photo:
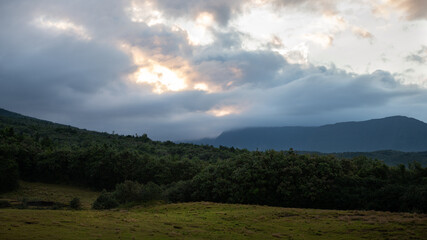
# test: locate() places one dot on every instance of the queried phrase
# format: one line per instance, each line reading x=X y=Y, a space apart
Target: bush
x=4 y=204
x=105 y=201
x=75 y=203
x=179 y=192
x=24 y=203
x=128 y=191
x=150 y=192
x=135 y=192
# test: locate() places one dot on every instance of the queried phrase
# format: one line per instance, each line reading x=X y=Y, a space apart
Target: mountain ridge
x=66 y=134
x=398 y=133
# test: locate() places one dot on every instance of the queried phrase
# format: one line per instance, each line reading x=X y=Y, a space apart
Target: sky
x=189 y=69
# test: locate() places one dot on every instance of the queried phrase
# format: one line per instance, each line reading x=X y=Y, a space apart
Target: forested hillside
x=389 y=157
x=35 y=150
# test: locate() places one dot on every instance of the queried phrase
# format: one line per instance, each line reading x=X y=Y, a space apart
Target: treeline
x=102 y=165
x=185 y=172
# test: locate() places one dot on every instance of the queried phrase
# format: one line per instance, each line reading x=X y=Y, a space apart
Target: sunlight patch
x=159 y=75
x=202 y=87
x=205 y=19
x=145 y=13
x=161 y=78
x=223 y=111
x=321 y=39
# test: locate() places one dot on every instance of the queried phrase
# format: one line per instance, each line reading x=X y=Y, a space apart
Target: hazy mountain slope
x=391 y=133
x=67 y=135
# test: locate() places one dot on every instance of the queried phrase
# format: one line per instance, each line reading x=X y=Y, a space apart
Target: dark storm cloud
x=61 y=76
x=231 y=69
x=320 y=90
x=42 y=69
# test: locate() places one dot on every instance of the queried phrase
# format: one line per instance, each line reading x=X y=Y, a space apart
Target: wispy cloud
x=419 y=56
x=362 y=33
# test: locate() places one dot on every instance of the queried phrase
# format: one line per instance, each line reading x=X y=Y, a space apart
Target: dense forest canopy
x=36 y=150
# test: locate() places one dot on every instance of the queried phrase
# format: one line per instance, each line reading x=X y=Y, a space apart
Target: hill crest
x=398 y=133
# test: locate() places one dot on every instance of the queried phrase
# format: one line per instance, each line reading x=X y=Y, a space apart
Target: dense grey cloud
x=76 y=73
x=257 y=68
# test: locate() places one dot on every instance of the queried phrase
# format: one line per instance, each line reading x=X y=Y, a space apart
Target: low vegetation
x=59 y=195
x=206 y=220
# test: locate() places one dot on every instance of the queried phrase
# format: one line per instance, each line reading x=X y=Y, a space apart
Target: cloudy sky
x=186 y=69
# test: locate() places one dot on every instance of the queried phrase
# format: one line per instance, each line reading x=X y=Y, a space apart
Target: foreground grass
x=210 y=221
x=51 y=192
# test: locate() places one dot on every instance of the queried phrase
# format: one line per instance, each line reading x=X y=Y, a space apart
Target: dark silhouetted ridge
x=392 y=133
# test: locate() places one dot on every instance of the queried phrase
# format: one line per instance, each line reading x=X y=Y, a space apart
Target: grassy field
x=51 y=192
x=210 y=221
x=200 y=220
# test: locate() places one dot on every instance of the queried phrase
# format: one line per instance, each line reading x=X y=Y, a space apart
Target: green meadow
x=62 y=194
x=205 y=220
x=197 y=220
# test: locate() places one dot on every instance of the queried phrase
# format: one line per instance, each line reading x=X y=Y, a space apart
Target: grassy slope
x=195 y=220
x=51 y=192
x=210 y=221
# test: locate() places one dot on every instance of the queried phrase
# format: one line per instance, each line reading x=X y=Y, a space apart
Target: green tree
x=9 y=174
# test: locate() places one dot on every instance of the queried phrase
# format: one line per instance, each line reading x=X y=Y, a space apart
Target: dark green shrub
x=24 y=203
x=4 y=204
x=178 y=192
x=105 y=201
x=128 y=191
x=75 y=203
x=150 y=192
x=133 y=192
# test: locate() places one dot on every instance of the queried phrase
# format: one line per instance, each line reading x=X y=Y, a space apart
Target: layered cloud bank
x=191 y=69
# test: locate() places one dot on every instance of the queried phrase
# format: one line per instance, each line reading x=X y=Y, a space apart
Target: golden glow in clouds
x=201 y=87
x=223 y=111
x=198 y=31
x=164 y=73
x=205 y=19
x=161 y=78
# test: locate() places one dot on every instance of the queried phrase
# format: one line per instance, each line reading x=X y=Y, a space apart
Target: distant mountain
x=392 y=133
x=65 y=135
